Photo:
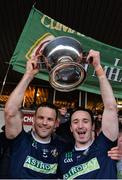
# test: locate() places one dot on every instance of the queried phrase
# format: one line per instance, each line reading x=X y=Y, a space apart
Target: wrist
x=99 y=71
x=28 y=76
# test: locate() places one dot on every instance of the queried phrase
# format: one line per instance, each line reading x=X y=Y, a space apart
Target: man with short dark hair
x=33 y=155
x=89 y=159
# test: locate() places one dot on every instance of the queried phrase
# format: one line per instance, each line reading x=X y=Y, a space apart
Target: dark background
x=99 y=19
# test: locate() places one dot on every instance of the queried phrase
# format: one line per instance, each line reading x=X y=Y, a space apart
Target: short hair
x=49 y=105
x=83 y=109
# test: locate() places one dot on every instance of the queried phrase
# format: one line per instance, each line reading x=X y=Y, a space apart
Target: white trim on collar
x=38 y=140
x=83 y=148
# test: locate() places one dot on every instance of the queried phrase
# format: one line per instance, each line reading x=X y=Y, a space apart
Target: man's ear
x=70 y=128
x=33 y=122
x=93 y=126
x=57 y=123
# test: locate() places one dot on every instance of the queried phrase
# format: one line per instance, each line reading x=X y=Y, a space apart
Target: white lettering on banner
x=113 y=73
x=116 y=61
x=28 y=119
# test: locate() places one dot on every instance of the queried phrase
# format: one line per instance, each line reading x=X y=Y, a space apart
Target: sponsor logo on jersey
x=81 y=169
x=39 y=166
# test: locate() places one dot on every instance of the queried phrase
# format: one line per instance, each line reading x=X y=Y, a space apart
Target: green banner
x=40 y=28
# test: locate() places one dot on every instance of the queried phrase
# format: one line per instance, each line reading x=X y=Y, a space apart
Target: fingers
x=35 y=61
x=115 y=153
x=36 y=66
x=115 y=157
x=93 y=53
x=33 y=66
x=94 y=58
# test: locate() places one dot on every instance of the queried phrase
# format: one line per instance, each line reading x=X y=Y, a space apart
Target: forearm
x=15 y=99
x=106 y=89
x=13 y=115
x=109 y=120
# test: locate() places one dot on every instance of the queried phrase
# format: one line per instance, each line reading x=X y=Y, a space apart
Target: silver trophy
x=64 y=59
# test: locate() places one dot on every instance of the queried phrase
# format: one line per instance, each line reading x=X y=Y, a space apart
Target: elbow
x=112 y=106
x=9 y=111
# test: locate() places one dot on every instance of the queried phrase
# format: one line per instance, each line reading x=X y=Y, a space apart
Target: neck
x=79 y=146
x=40 y=140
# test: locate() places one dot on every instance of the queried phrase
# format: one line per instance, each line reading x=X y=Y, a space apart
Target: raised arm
x=13 y=116
x=109 y=119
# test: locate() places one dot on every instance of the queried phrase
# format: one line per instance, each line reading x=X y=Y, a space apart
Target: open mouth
x=81 y=132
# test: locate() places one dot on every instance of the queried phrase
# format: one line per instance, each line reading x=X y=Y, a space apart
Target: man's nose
x=80 y=124
x=44 y=121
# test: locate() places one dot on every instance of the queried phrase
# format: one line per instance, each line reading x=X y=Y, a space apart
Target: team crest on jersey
x=45 y=153
x=34 y=144
x=54 y=152
x=68 y=157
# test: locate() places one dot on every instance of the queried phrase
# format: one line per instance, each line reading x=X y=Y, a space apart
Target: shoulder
x=21 y=138
x=102 y=139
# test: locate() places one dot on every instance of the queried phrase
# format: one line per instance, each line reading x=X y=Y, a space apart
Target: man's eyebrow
x=74 y=119
x=85 y=119
x=79 y=119
x=40 y=115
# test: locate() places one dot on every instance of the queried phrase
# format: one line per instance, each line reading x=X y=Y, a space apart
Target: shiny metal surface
x=63 y=59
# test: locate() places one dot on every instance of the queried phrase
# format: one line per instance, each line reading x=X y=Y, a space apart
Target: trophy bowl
x=63 y=57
